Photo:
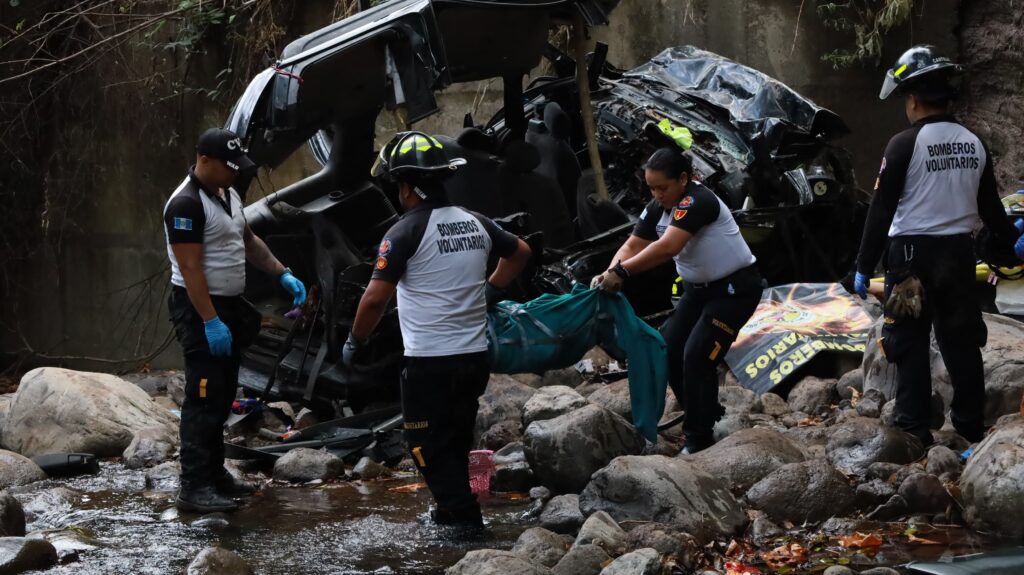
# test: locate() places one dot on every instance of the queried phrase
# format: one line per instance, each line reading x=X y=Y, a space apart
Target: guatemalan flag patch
x=183 y=224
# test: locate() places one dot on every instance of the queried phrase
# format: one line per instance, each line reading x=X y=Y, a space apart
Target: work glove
x=351 y=351
x=596 y=281
x=294 y=287
x=611 y=280
x=218 y=336
x=493 y=294
x=860 y=285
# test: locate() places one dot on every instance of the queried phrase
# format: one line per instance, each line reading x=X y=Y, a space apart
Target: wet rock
x=503 y=400
x=511 y=453
x=59 y=410
x=586 y=389
x=18 y=470
x=774 y=405
x=665 y=490
x=846 y=525
x=176 y=388
x=601 y=529
x=565 y=451
x=69 y=543
x=811 y=439
x=541 y=493
x=21 y=554
x=367 y=469
x=888 y=413
x=529 y=379
x=924 y=493
x=615 y=398
x=1004 y=388
x=736 y=399
x=793 y=418
x=302 y=464
x=568 y=377
x=892 y=509
x=952 y=440
x=992 y=483
x=513 y=477
x=562 y=514
x=218 y=561
x=730 y=424
x=164 y=477
x=12 y=516
x=870 y=404
x=942 y=459
x=762 y=529
x=808 y=491
x=813 y=395
x=747 y=456
x=150 y=446
x=582 y=560
x=639 y=562
x=851 y=380
x=542 y=547
x=48 y=506
x=882 y=470
x=873 y=493
x=880 y=571
x=501 y=434
x=762 y=420
x=494 y=562
x=839 y=570
x=664 y=539
x=214 y=521
x=859 y=442
x=550 y=402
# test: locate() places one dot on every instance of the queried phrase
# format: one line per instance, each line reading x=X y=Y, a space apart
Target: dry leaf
x=737 y=568
x=788 y=555
x=915 y=539
x=410 y=488
x=808 y=422
x=860 y=540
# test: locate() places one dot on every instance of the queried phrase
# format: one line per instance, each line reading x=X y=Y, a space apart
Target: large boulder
x=563 y=452
x=17 y=470
x=614 y=397
x=12 y=516
x=59 y=410
x=150 y=446
x=550 y=402
x=494 y=562
x=747 y=456
x=164 y=477
x=20 y=554
x=562 y=514
x=798 y=492
x=501 y=434
x=503 y=400
x=639 y=562
x=303 y=464
x=664 y=490
x=992 y=484
x=218 y=561
x=858 y=442
x=542 y=547
x=813 y=395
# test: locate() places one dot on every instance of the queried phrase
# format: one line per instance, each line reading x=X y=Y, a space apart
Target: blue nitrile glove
x=1018 y=248
x=860 y=285
x=294 y=287
x=350 y=350
x=1019 y=224
x=218 y=336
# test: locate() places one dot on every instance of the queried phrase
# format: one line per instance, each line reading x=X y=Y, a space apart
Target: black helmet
x=414 y=154
x=915 y=63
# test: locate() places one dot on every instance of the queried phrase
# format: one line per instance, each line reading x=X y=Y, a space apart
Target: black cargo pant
x=946 y=267
x=210 y=386
x=700 y=332
x=439 y=403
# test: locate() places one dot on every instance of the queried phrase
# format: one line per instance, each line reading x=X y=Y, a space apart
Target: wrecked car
x=759 y=145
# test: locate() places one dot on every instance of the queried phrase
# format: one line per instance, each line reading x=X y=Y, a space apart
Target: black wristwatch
x=620 y=271
x=286 y=271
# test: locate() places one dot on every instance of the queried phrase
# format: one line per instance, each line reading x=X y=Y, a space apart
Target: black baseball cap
x=225 y=145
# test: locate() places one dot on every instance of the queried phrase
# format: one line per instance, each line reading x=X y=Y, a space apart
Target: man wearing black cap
x=208 y=243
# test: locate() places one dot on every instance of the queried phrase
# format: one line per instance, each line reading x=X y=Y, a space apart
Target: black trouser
x=697 y=337
x=210 y=386
x=946 y=267
x=439 y=402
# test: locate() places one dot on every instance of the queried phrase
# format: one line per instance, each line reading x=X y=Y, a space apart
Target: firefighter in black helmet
x=435 y=257
x=934 y=188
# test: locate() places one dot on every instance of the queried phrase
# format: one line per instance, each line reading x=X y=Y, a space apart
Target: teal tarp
x=555 y=331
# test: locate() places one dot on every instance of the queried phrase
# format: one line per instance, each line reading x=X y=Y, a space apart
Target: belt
x=723 y=282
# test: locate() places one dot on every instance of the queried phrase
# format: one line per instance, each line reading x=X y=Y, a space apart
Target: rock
x=18 y=470
x=586 y=389
x=501 y=434
x=952 y=440
x=59 y=410
x=511 y=453
x=738 y=399
x=164 y=477
x=793 y=418
x=880 y=571
x=798 y=492
x=49 y=507
x=870 y=404
x=873 y=493
x=529 y=379
x=839 y=570
x=176 y=388
x=542 y=547
x=615 y=398
x=639 y=562
x=12 y=516
x=541 y=493
x=599 y=358
x=565 y=451
x=601 y=529
x=303 y=464
x=149 y=447
x=503 y=400
x=888 y=413
x=513 y=477
x=924 y=493
x=1004 y=387
x=906 y=471
x=218 y=561
x=568 y=377
x=882 y=470
x=859 y=442
x=152 y=383
x=164 y=402
x=582 y=560
x=811 y=439
x=730 y=424
x=664 y=539
x=494 y=562
x=367 y=469
x=813 y=395
x=665 y=490
x=851 y=380
x=942 y=459
x=5 y=407
x=69 y=543
x=992 y=483
x=892 y=509
x=562 y=514
x=550 y=402
x=305 y=418
x=774 y=405
x=762 y=530
x=747 y=456
x=21 y=554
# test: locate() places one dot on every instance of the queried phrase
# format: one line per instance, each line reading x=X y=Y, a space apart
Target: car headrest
x=557 y=121
x=475 y=139
x=521 y=156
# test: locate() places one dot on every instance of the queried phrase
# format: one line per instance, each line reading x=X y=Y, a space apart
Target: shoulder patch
x=385 y=247
x=678 y=214
x=643 y=214
x=686 y=202
x=382 y=262
x=183 y=224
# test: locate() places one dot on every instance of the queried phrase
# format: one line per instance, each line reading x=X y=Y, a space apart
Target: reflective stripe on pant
x=439 y=402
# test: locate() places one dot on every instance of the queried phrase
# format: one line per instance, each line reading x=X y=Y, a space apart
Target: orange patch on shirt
x=382 y=262
x=679 y=214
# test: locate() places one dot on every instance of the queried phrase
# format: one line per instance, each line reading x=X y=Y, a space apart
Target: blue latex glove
x=350 y=350
x=218 y=336
x=860 y=285
x=294 y=287
x=1018 y=248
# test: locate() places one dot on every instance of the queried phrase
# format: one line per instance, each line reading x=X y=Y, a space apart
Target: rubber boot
x=204 y=500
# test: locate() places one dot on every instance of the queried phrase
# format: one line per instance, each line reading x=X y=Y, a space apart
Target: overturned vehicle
x=760 y=146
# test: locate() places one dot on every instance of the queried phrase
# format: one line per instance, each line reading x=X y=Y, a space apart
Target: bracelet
x=621 y=271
